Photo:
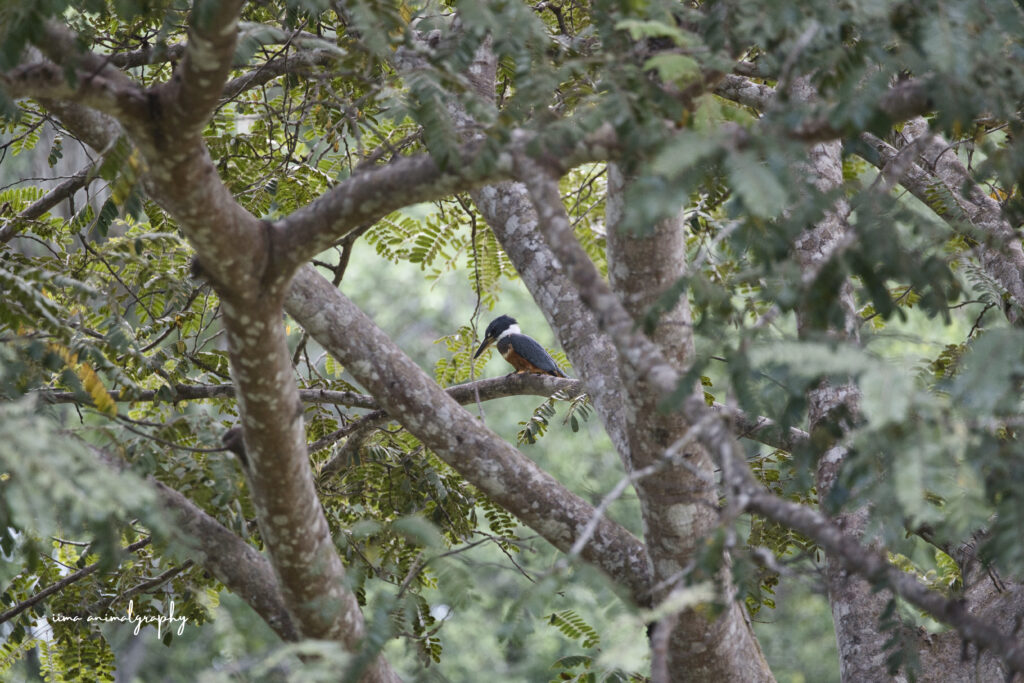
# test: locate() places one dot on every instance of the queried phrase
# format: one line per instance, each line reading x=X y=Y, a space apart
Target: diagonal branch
x=372 y=194
x=58 y=586
x=875 y=567
x=231 y=560
x=902 y=102
x=150 y=54
x=745 y=493
x=302 y=62
x=1001 y=254
x=118 y=97
x=55 y=196
x=483 y=458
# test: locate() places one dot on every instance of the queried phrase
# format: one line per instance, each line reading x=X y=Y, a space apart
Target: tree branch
x=902 y=102
x=304 y=60
x=195 y=89
x=45 y=80
x=875 y=567
x=9 y=614
x=422 y=407
x=55 y=196
x=150 y=54
x=1001 y=255
x=372 y=194
x=198 y=392
x=757 y=428
x=231 y=560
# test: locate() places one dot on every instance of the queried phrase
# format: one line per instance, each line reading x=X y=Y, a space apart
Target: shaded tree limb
x=874 y=566
x=902 y=102
x=47 y=80
x=1001 y=254
x=489 y=463
x=745 y=493
x=194 y=91
x=150 y=54
x=303 y=61
x=55 y=196
x=856 y=607
x=71 y=578
x=232 y=561
x=144 y=586
x=376 y=192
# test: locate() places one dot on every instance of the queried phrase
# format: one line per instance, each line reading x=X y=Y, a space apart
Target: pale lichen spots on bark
x=364 y=368
x=202 y=53
x=556 y=532
x=834 y=455
x=683 y=518
x=245 y=360
x=489 y=192
x=666 y=566
x=230 y=28
x=428 y=428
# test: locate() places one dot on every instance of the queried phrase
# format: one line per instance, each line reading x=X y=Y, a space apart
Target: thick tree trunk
x=680 y=502
x=856 y=607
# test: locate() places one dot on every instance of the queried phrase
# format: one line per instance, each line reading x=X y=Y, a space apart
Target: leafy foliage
x=101 y=316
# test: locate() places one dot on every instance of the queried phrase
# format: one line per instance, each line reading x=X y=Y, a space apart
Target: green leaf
x=649 y=28
x=678 y=69
x=419 y=531
x=762 y=193
x=685 y=150
x=107 y=214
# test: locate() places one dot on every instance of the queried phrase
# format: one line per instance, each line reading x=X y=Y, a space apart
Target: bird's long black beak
x=487 y=342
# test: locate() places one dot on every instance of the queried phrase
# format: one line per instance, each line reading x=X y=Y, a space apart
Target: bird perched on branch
x=522 y=352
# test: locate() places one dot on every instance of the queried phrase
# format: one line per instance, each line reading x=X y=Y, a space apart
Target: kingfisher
x=522 y=352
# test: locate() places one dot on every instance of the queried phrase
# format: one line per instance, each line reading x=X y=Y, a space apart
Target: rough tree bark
x=410 y=396
x=680 y=503
x=301 y=589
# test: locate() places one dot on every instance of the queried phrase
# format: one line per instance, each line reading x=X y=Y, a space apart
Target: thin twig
x=66 y=581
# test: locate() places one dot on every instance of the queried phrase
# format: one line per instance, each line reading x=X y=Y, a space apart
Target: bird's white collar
x=511 y=329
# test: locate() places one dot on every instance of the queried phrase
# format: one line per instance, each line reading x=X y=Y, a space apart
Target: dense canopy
x=777 y=243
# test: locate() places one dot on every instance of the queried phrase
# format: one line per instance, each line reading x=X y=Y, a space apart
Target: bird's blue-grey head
x=494 y=330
